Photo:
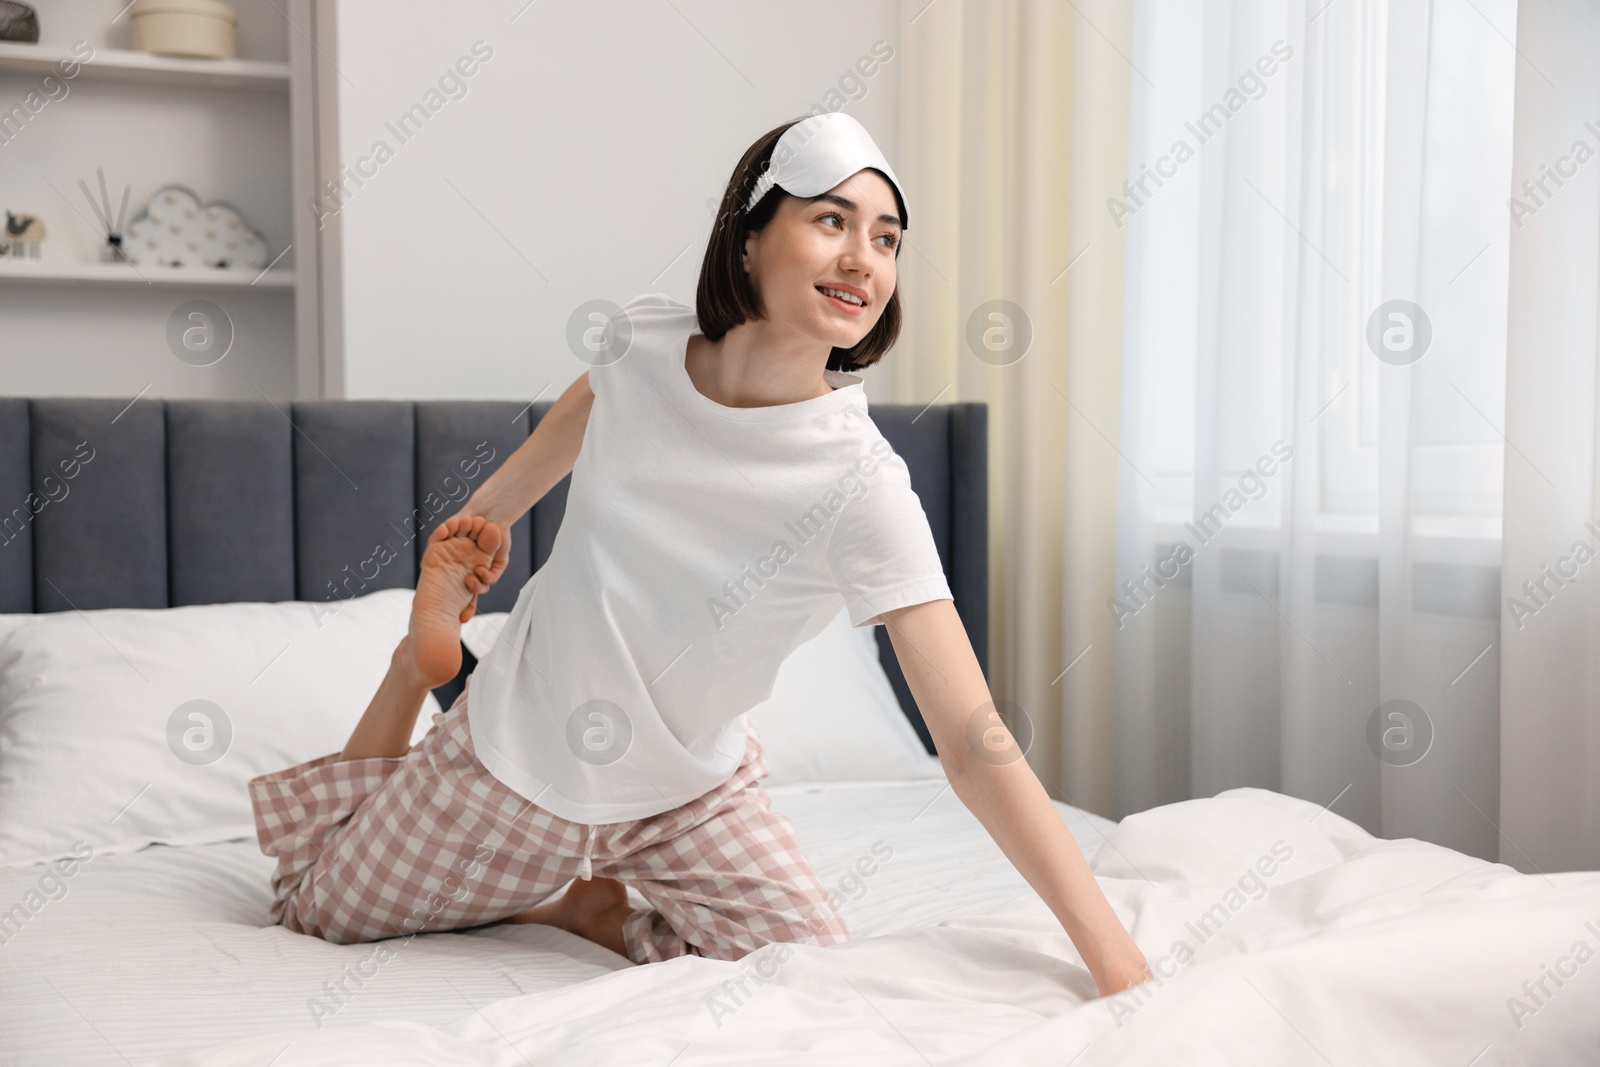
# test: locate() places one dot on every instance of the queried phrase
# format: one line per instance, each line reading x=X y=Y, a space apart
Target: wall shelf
x=140 y=68
x=249 y=131
x=112 y=274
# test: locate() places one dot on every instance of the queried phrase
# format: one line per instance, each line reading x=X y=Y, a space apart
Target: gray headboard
x=107 y=504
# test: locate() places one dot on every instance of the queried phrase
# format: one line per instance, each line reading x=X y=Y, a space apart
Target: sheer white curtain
x=1310 y=504
x=1550 y=692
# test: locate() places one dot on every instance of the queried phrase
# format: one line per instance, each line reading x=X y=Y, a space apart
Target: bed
x=166 y=949
x=1279 y=931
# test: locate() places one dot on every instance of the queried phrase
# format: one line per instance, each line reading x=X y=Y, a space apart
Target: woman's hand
x=483 y=576
x=999 y=787
x=502 y=556
x=1123 y=971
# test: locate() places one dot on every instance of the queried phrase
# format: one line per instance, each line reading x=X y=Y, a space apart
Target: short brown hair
x=725 y=297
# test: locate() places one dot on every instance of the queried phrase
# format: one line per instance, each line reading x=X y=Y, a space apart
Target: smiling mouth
x=844 y=303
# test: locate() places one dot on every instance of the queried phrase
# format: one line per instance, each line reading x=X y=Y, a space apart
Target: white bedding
x=1324 y=946
x=166 y=949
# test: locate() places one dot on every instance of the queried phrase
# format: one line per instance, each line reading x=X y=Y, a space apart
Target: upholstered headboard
x=150 y=504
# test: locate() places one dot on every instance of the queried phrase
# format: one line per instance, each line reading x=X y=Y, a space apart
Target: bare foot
x=459 y=553
x=594 y=909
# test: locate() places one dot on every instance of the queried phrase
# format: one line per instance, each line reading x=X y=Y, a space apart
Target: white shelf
x=142 y=68
x=113 y=274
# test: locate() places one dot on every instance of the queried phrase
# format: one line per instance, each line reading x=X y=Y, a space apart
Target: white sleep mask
x=819 y=152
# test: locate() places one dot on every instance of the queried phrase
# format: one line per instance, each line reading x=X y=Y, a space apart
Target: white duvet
x=147 y=954
x=1282 y=934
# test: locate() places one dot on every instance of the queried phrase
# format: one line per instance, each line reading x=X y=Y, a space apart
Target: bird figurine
x=22 y=236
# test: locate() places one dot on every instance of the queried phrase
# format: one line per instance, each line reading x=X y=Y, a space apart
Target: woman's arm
x=989 y=775
x=546 y=457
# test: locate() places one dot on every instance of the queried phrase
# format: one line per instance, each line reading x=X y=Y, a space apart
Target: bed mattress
x=145 y=955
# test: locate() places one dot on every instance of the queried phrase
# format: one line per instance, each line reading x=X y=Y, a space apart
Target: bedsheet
x=142 y=955
x=1280 y=933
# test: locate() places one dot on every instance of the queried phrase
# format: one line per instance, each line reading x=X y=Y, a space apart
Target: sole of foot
x=457 y=556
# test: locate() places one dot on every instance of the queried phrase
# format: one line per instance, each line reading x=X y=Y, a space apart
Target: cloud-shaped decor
x=176 y=230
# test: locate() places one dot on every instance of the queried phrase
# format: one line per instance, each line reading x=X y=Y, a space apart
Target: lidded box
x=200 y=28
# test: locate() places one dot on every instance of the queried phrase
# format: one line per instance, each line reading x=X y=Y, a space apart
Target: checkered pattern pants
x=382 y=847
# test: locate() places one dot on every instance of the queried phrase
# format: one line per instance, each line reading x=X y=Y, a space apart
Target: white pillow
x=102 y=739
x=832 y=715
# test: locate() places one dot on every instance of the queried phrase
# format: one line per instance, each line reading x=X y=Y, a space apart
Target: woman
x=729 y=492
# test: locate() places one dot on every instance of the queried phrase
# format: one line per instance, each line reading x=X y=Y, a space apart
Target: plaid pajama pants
x=386 y=846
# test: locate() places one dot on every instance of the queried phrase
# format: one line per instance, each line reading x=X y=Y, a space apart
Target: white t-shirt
x=701 y=545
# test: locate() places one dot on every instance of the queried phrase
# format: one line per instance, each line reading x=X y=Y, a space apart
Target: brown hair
x=725 y=298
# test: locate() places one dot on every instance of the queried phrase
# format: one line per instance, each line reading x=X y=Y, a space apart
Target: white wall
x=589 y=152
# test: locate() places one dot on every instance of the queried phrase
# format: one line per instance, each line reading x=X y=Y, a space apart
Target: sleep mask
x=819 y=152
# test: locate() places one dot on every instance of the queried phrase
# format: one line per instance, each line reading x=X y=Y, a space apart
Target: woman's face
x=844 y=239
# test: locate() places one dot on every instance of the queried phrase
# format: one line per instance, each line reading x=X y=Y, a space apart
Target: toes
x=449 y=528
x=457 y=526
x=486 y=534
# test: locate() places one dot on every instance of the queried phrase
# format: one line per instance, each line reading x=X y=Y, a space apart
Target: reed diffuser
x=111 y=248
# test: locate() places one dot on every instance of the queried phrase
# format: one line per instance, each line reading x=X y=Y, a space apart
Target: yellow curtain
x=1013 y=132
